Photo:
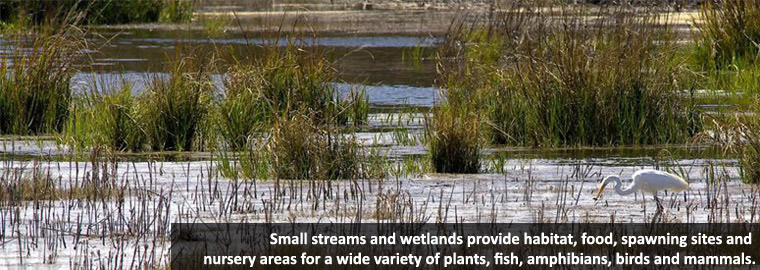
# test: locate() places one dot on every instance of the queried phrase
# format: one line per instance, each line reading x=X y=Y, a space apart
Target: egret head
x=606 y=181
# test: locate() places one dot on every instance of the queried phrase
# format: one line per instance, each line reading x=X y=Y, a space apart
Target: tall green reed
x=749 y=157
x=727 y=31
x=174 y=107
x=35 y=81
x=285 y=81
x=105 y=117
x=549 y=81
x=453 y=139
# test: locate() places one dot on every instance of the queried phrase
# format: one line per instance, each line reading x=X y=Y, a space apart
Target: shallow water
x=163 y=192
x=374 y=60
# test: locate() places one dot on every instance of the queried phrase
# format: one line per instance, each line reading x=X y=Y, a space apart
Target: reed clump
x=728 y=31
x=571 y=81
x=355 y=108
x=301 y=148
x=35 y=82
x=749 y=157
x=174 y=107
x=106 y=119
x=453 y=140
x=18 y=186
x=284 y=82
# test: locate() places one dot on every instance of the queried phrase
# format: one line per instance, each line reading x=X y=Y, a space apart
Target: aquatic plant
x=453 y=139
x=614 y=80
x=728 y=30
x=107 y=119
x=176 y=11
x=18 y=186
x=215 y=25
x=749 y=157
x=741 y=78
x=285 y=81
x=35 y=82
x=173 y=106
x=303 y=149
x=355 y=108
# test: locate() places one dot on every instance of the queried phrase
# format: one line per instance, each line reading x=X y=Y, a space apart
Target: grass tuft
x=174 y=106
x=107 y=119
x=610 y=81
x=453 y=139
x=728 y=31
x=749 y=158
x=303 y=149
x=35 y=83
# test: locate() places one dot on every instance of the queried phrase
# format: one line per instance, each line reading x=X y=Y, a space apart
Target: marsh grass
x=176 y=11
x=728 y=31
x=39 y=12
x=174 y=107
x=105 y=119
x=215 y=25
x=298 y=147
x=18 y=186
x=283 y=82
x=453 y=139
x=286 y=81
x=303 y=149
x=741 y=79
x=355 y=108
x=750 y=146
x=569 y=81
x=35 y=82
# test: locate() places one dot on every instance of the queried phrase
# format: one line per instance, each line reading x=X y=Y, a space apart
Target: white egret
x=647 y=181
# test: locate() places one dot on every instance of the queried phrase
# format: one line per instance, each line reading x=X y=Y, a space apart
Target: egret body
x=646 y=181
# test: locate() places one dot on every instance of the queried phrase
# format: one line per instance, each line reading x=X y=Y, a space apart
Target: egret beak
x=599 y=194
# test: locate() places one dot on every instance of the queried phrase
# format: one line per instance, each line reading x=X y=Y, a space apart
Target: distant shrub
x=37 y=12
